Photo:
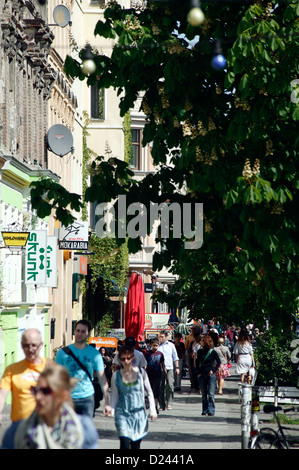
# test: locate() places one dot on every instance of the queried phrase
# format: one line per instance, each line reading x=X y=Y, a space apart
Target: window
x=135 y=162
x=97 y=102
x=101 y=3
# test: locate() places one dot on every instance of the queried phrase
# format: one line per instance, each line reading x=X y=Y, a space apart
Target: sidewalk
x=183 y=427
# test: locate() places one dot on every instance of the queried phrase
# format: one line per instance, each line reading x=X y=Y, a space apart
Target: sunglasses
x=43 y=390
x=126 y=358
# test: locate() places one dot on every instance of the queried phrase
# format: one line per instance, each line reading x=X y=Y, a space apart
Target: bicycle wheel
x=268 y=439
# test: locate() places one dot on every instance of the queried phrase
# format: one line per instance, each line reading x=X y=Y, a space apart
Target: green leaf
x=295 y=113
x=243 y=82
x=229 y=79
x=274 y=44
x=253 y=195
x=266 y=56
x=105 y=30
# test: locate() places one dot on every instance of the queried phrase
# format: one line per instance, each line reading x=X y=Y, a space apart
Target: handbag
x=146 y=399
x=251 y=373
x=98 y=392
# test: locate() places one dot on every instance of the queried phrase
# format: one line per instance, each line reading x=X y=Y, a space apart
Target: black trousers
x=126 y=443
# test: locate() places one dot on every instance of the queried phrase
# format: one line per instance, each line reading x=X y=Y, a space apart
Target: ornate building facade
x=25 y=87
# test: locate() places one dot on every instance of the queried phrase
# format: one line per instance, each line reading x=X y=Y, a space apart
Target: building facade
x=106 y=136
x=25 y=86
x=35 y=94
x=64 y=108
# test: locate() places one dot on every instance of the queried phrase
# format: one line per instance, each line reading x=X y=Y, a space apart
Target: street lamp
x=88 y=65
x=195 y=16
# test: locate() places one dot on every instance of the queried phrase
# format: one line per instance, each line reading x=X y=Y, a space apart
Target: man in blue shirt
x=83 y=392
x=170 y=356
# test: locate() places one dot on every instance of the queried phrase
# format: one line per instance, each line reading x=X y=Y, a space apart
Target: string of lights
x=218 y=61
x=195 y=18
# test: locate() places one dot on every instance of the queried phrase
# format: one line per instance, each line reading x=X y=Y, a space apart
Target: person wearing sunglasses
x=128 y=387
x=20 y=376
x=54 y=424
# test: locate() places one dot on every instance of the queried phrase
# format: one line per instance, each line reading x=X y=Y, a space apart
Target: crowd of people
x=53 y=402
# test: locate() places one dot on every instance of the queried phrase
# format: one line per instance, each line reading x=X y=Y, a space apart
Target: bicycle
x=268 y=438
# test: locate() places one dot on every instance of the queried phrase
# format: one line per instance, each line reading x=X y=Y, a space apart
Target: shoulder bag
x=98 y=392
x=146 y=399
x=198 y=364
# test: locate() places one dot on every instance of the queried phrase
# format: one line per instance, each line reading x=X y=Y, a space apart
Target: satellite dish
x=61 y=15
x=59 y=140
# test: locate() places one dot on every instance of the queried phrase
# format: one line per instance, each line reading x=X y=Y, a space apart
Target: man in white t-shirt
x=139 y=359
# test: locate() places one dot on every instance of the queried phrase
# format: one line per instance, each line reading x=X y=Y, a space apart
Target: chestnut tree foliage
x=227 y=139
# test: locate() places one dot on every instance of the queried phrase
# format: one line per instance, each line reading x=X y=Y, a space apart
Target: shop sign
x=74 y=236
x=156 y=320
x=80 y=265
x=36 y=258
x=51 y=280
x=105 y=342
x=148 y=287
x=15 y=238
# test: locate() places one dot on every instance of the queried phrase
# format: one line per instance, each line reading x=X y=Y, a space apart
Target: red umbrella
x=135 y=309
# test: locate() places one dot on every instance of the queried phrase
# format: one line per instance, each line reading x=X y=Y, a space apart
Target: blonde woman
x=54 y=423
x=223 y=371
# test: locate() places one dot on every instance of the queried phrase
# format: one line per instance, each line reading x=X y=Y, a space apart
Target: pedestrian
x=192 y=351
x=223 y=371
x=189 y=338
x=230 y=336
x=128 y=387
x=54 y=423
x=207 y=363
x=243 y=352
x=107 y=359
x=219 y=328
x=188 y=342
x=141 y=346
x=180 y=349
x=196 y=345
x=214 y=335
x=171 y=358
x=139 y=359
x=19 y=377
x=90 y=364
x=155 y=368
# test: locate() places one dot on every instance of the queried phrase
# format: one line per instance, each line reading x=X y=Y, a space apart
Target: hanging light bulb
x=88 y=66
x=218 y=61
x=195 y=16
